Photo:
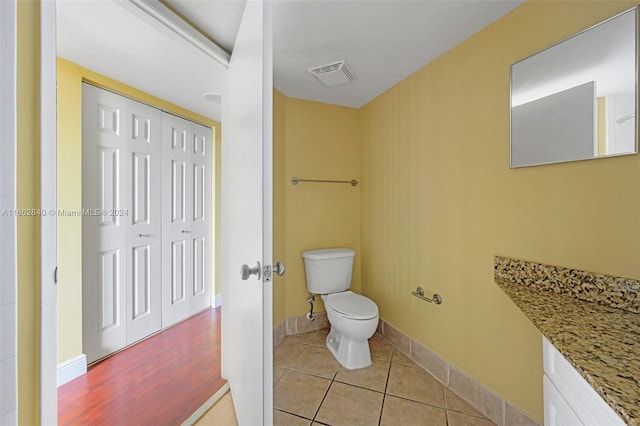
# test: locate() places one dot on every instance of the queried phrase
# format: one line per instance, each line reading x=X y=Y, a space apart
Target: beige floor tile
x=299 y=393
x=316 y=361
x=398 y=411
x=280 y=418
x=278 y=372
x=320 y=338
x=380 y=348
x=400 y=358
x=415 y=384
x=221 y=414
x=349 y=405
x=303 y=337
x=455 y=403
x=460 y=419
x=287 y=352
x=373 y=377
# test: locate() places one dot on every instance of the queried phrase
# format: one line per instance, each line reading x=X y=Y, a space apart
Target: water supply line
x=310 y=316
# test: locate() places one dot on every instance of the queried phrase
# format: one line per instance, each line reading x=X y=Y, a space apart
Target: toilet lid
x=352 y=305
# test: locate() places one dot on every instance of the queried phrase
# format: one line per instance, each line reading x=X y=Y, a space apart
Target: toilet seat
x=351 y=305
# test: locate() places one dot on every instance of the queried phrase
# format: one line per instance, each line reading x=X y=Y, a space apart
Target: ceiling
x=382 y=41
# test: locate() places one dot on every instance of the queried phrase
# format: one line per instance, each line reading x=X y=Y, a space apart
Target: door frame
x=8 y=191
x=48 y=223
x=159 y=13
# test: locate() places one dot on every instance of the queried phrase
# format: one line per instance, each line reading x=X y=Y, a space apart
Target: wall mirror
x=577 y=100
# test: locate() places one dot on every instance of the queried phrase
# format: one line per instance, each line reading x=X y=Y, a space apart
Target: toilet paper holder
x=419 y=293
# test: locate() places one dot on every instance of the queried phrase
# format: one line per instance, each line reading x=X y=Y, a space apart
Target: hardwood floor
x=159 y=381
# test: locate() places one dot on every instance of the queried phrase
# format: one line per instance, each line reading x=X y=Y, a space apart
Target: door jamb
x=8 y=191
x=48 y=271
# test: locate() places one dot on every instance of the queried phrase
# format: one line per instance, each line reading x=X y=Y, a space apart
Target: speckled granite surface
x=601 y=342
x=622 y=293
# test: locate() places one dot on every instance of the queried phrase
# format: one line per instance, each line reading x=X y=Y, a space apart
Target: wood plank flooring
x=159 y=381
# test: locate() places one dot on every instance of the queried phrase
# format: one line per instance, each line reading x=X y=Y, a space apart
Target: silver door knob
x=143 y=235
x=246 y=271
x=278 y=268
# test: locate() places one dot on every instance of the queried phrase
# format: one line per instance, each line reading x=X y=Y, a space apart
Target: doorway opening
x=143 y=61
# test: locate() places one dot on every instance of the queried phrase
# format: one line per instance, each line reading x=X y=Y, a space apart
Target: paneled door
x=120 y=221
x=144 y=221
x=186 y=223
x=200 y=219
x=247 y=324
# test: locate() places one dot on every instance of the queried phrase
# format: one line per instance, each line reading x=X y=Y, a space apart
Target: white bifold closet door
x=121 y=224
x=146 y=227
x=186 y=223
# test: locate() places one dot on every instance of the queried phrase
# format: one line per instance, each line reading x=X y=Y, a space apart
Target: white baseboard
x=217 y=300
x=70 y=369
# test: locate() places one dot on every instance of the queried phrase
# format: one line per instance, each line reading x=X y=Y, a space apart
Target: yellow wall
x=439 y=201
x=28 y=236
x=323 y=142
x=70 y=78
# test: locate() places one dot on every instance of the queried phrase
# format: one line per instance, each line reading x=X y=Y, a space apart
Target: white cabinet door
x=247 y=324
x=556 y=410
x=587 y=405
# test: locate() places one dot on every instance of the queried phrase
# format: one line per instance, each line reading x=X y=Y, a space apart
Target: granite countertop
x=601 y=342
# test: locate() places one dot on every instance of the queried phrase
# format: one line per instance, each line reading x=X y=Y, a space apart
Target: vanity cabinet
x=568 y=398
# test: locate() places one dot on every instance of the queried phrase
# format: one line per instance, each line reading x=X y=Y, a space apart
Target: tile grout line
x=293 y=414
x=386 y=384
x=444 y=401
x=325 y=394
x=322 y=402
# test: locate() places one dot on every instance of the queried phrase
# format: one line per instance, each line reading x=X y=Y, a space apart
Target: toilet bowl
x=353 y=317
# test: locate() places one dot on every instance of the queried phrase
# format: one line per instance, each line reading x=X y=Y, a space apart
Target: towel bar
x=295 y=180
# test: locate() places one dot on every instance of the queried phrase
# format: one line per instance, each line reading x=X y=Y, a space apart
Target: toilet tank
x=328 y=270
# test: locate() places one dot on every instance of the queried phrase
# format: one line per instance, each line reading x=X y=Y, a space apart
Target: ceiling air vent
x=333 y=74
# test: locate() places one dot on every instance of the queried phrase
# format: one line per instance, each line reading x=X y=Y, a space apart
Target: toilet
x=353 y=317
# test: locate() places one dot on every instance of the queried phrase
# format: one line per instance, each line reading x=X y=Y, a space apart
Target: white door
x=186 y=224
x=142 y=174
x=247 y=329
x=176 y=202
x=200 y=219
x=121 y=221
x=104 y=237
